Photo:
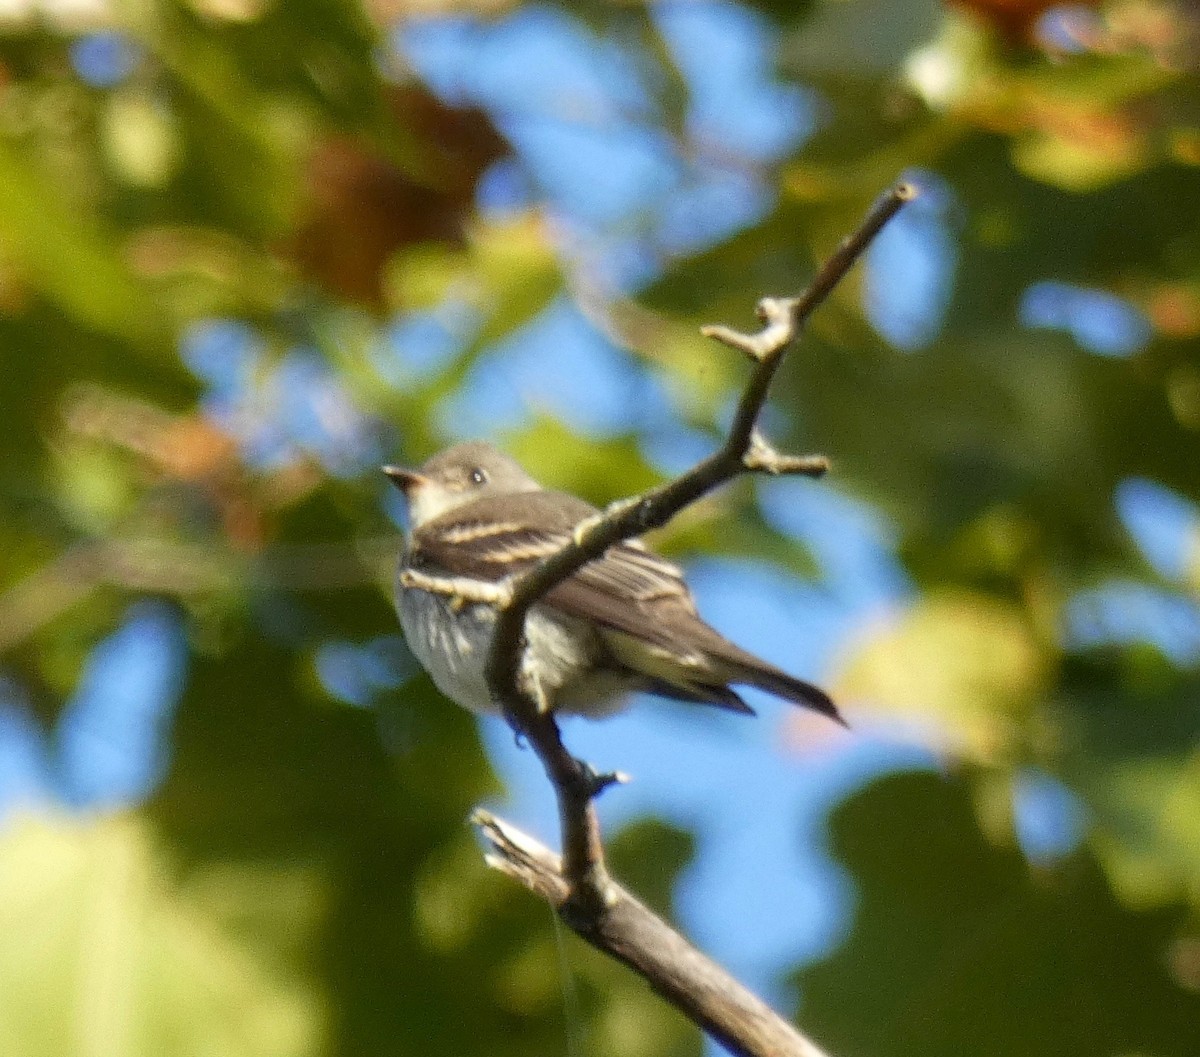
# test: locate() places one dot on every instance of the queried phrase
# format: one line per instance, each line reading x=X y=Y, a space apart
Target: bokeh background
x=251 y=249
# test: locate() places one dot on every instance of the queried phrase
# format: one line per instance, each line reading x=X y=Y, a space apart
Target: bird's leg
x=586 y=780
x=534 y=693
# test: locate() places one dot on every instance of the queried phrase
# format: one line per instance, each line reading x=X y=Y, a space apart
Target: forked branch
x=578 y=885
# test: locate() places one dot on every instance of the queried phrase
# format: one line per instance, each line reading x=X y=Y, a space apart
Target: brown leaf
x=1014 y=20
x=363 y=207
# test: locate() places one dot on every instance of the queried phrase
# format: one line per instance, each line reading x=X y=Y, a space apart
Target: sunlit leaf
x=106 y=952
x=968 y=664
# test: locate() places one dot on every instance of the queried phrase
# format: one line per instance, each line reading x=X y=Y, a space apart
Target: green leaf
x=958 y=947
x=70 y=256
x=107 y=952
x=969 y=663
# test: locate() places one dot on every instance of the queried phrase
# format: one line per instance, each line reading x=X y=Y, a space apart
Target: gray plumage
x=624 y=622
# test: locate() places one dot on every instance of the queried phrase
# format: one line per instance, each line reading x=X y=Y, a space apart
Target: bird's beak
x=408 y=481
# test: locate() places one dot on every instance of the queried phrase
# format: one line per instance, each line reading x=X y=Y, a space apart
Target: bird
x=624 y=623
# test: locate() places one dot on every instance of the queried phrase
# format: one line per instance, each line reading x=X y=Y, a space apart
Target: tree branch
x=633 y=934
x=579 y=887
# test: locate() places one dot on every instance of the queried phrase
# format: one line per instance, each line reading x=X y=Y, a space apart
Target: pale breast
x=452 y=646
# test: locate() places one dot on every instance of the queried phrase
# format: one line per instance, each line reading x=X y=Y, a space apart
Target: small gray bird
x=624 y=622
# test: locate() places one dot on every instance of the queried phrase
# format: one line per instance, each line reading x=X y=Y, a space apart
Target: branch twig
x=579 y=886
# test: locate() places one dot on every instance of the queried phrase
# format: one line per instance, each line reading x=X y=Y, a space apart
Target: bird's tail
x=707 y=682
x=779 y=683
x=739 y=666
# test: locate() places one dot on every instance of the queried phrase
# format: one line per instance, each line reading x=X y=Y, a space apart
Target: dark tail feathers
x=749 y=669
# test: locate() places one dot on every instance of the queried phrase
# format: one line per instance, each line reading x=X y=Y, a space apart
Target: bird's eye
x=478 y=476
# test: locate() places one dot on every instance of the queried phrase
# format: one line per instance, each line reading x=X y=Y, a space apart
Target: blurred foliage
x=948 y=955
x=216 y=216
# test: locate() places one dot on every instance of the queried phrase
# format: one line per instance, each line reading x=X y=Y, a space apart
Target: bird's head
x=458 y=475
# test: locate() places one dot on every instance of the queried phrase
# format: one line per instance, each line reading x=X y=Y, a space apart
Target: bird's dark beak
x=408 y=481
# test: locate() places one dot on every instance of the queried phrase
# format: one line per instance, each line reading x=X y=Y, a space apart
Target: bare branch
x=584 y=894
x=763 y=458
x=777 y=313
x=636 y=936
x=784 y=317
x=576 y=786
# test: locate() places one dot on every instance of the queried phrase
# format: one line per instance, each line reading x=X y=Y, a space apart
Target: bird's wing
x=638 y=597
x=628 y=589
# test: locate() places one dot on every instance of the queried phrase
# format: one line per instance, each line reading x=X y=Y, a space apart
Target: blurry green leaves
x=1080 y=123
x=454 y=898
x=1127 y=743
x=222 y=102
x=969 y=663
x=648 y=856
x=507 y=272
x=1086 y=127
x=1081 y=128
x=1122 y=737
x=68 y=256
x=1148 y=831
x=96 y=488
x=959 y=948
x=591 y=469
x=865 y=36
x=270 y=783
x=1096 y=153
x=108 y=951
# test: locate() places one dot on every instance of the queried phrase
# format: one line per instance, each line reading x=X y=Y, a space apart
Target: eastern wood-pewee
x=624 y=622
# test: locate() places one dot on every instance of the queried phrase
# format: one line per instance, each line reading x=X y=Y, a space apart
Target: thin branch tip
x=481 y=817
x=735 y=339
x=762 y=457
x=594 y=782
x=778 y=465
